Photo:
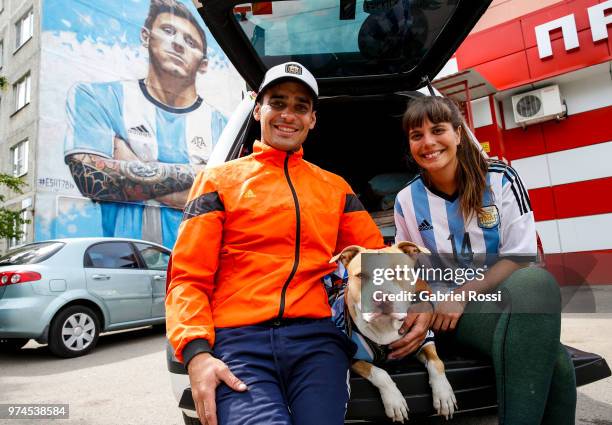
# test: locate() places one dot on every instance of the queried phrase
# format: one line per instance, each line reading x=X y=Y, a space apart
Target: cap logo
x=292 y=68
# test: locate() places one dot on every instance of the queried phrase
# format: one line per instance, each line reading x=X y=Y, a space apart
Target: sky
x=112 y=23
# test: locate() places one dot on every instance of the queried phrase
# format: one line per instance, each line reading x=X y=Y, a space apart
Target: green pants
x=535 y=378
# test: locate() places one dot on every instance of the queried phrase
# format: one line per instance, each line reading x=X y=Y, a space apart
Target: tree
x=3 y=82
x=11 y=221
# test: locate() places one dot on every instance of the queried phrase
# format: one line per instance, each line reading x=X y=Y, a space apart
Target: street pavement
x=124 y=380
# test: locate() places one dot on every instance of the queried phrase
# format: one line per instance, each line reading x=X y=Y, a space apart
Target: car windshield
x=339 y=38
x=31 y=254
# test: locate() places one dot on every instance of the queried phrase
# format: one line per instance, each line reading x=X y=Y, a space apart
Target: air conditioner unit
x=538 y=105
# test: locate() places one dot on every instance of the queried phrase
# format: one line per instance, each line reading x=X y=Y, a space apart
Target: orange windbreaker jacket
x=255 y=241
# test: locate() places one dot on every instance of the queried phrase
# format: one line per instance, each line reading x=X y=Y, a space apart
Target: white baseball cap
x=289 y=71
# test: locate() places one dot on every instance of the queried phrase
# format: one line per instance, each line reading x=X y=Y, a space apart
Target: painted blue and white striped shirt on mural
x=433 y=219
x=101 y=113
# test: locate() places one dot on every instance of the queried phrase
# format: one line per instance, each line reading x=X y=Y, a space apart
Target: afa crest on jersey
x=489 y=217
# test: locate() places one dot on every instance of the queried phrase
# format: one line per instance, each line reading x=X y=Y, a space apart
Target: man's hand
x=176 y=200
x=205 y=374
x=448 y=314
x=417 y=323
x=122 y=151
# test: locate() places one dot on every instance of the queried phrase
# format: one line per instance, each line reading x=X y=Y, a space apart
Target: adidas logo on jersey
x=425 y=226
x=140 y=130
x=249 y=194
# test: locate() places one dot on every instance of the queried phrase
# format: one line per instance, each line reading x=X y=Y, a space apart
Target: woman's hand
x=447 y=315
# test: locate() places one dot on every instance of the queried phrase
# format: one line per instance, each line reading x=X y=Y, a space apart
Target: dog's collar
x=379 y=352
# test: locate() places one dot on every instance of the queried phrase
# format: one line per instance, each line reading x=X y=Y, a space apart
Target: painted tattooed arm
x=106 y=179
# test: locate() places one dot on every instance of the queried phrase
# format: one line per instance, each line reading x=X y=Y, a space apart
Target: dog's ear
x=347 y=254
x=411 y=248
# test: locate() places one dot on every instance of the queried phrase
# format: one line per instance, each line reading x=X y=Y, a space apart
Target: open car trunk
x=472 y=378
x=361 y=139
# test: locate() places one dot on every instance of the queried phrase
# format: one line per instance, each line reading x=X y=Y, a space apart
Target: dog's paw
x=444 y=400
x=395 y=404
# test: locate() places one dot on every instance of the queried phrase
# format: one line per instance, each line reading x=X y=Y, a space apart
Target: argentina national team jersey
x=98 y=113
x=433 y=219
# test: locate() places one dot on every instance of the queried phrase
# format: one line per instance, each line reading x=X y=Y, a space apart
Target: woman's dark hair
x=471 y=172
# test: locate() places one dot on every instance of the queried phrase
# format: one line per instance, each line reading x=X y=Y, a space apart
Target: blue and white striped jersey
x=433 y=219
x=99 y=113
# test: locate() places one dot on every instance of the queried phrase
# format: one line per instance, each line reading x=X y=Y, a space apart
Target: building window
x=1 y=6
x=24 y=29
x=1 y=52
x=22 y=92
x=14 y=242
x=20 y=158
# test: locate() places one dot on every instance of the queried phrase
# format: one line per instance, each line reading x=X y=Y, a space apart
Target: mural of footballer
x=135 y=146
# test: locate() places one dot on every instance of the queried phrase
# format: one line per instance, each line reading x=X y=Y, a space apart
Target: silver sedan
x=65 y=292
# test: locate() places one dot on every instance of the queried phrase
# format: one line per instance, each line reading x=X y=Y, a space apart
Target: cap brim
x=313 y=95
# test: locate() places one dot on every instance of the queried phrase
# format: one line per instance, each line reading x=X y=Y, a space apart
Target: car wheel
x=74 y=332
x=191 y=421
x=8 y=345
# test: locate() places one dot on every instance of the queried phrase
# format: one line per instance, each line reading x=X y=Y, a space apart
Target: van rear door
x=352 y=47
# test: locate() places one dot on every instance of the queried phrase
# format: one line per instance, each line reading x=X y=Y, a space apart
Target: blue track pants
x=296 y=373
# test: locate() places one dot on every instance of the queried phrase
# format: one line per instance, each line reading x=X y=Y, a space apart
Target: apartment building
x=20 y=65
x=80 y=81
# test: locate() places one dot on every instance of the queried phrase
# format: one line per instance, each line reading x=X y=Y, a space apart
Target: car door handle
x=100 y=277
x=159 y=277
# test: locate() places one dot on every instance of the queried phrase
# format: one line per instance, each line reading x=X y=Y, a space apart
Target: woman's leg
x=561 y=404
x=522 y=339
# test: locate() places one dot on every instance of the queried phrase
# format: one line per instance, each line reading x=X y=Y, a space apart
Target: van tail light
x=11 y=278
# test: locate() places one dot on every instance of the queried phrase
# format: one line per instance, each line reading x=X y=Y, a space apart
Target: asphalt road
x=124 y=380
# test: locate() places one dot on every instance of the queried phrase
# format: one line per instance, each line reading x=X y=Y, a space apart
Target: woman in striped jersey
x=462 y=204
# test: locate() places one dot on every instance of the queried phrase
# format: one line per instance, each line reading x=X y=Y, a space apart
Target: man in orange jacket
x=255 y=241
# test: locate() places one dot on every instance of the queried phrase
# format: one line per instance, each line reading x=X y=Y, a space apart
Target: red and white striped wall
x=566 y=165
